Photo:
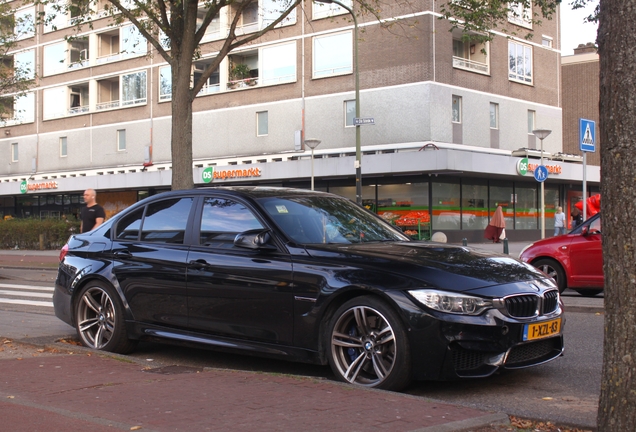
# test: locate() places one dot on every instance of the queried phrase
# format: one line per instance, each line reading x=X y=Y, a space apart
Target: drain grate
x=174 y=370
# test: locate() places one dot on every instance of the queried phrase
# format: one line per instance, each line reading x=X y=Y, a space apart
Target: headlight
x=451 y=302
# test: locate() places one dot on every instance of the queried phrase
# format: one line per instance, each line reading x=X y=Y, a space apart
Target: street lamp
x=312 y=144
x=542 y=134
x=358 y=164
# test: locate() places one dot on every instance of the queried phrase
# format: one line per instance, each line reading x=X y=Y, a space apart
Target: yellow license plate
x=542 y=329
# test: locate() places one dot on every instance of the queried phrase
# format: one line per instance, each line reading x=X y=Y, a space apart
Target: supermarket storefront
x=453 y=190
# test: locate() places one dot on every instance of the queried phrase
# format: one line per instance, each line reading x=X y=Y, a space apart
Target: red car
x=574 y=260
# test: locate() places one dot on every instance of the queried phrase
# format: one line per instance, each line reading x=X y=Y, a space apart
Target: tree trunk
x=181 y=142
x=617 y=126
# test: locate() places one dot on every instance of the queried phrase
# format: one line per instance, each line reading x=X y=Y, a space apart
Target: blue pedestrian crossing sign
x=587 y=132
x=541 y=173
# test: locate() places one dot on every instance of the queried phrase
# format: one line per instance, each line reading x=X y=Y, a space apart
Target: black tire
x=99 y=319
x=368 y=345
x=554 y=270
x=589 y=292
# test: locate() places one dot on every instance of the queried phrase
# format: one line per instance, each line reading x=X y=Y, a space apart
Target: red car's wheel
x=554 y=270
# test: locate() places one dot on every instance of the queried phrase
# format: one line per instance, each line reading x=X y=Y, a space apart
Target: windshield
x=327 y=219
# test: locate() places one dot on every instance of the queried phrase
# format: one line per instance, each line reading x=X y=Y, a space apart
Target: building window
x=470 y=54
x=24 y=23
x=520 y=15
x=165 y=83
x=262 y=126
x=532 y=115
x=63 y=146
x=212 y=85
x=132 y=41
x=519 y=62
x=121 y=140
x=350 y=112
x=14 y=152
x=278 y=64
x=324 y=10
x=494 y=115
x=333 y=55
x=121 y=91
x=18 y=109
x=457 y=109
x=546 y=41
x=24 y=64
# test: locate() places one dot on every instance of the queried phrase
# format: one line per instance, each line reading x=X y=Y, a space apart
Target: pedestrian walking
x=559 y=222
x=93 y=215
x=496 y=229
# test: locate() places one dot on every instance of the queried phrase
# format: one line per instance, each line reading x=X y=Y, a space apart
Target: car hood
x=448 y=267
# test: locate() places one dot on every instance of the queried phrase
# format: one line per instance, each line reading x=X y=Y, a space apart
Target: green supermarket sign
x=207 y=175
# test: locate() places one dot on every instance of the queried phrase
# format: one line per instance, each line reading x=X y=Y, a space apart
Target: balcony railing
x=463 y=63
x=78 y=110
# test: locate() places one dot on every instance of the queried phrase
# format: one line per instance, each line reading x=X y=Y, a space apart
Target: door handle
x=198 y=264
x=123 y=254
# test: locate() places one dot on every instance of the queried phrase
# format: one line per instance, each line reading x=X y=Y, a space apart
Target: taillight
x=64 y=251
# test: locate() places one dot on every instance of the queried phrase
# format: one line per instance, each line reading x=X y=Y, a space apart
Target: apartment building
x=447 y=127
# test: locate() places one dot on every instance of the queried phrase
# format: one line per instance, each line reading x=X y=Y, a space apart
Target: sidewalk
x=90 y=391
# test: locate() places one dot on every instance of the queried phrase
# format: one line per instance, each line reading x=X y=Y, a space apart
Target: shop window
x=446 y=206
x=551 y=200
x=406 y=206
x=333 y=55
x=474 y=205
x=368 y=194
x=527 y=210
x=502 y=195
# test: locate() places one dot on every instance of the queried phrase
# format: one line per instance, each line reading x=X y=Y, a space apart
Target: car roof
x=254 y=192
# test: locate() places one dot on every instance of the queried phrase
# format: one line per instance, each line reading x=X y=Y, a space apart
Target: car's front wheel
x=99 y=319
x=369 y=346
x=554 y=270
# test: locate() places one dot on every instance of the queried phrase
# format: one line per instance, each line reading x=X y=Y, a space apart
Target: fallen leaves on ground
x=524 y=425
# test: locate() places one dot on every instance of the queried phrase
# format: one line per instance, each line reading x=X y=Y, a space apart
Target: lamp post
x=312 y=144
x=542 y=134
x=358 y=163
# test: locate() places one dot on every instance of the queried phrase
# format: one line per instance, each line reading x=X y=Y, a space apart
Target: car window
x=595 y=227
x=128 y=226
x=222 y=219
x=165 y=221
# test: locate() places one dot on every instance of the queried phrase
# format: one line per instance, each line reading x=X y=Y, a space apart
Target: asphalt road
x=564 y=391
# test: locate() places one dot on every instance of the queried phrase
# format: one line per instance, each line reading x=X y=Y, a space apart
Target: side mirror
x=254 y=239
x=585 y=230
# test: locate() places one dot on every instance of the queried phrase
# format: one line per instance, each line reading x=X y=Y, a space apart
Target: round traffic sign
x=541 y=173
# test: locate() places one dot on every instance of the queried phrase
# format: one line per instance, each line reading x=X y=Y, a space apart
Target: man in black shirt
x=93 y=214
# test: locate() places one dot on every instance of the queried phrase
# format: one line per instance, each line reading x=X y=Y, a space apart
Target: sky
x=573 y=30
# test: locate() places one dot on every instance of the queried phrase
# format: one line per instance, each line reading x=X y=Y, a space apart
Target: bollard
x=464 y=241
x=41 y=241
x=505 y=244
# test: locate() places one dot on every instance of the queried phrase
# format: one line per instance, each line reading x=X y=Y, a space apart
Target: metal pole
x=542 y=198
x=312 y=168
x=584 y=185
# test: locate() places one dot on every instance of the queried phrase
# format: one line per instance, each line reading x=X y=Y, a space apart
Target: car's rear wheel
x=369 y=346
x=99 y=319
x=554 y=270
x=589 y=292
